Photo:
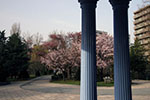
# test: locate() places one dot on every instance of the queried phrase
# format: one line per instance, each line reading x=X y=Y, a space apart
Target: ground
x=41 y=89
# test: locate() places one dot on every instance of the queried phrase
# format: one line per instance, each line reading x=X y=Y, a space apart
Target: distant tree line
x=22 y=56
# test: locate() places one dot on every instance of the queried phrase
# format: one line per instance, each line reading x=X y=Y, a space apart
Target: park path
x=41 y=89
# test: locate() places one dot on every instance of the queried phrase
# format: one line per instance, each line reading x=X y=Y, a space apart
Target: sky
x=46 y=16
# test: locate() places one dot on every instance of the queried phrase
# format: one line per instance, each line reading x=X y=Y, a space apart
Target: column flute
x=121 y=50
x=88 y=89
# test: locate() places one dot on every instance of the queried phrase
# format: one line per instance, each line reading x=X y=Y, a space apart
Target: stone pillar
x=88 y=89
x=121 y=50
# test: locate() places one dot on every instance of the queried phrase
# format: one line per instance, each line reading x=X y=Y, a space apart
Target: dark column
x=121 y=50
x=88 y=89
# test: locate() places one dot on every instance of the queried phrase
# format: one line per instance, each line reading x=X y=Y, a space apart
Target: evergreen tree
x=18 y=56
x=138 y=61
x=3 y=68
x=148 y=65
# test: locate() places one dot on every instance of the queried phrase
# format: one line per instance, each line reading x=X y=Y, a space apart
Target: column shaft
x=121 y=54
x=88 y=53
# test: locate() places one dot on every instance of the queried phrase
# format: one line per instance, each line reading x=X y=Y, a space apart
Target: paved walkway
x=41 y=89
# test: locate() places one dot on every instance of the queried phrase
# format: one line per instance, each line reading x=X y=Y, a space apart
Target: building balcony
x=145 y=42
x=142 y=19
x=142 y=25
x=147 y=47
x=142 y=13
x=142 y=30
x=147 y=53
x=143 y=36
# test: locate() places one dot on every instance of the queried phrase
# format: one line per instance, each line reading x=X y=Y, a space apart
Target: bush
x=24 y=75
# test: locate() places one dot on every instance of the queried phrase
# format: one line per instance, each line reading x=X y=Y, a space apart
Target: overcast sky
x=45 y=16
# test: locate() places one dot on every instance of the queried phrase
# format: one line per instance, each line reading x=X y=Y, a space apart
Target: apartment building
x=142 y=28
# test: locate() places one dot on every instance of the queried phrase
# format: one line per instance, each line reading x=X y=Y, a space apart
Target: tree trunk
x=101 y=74
x=69 y=73
x=63 y=74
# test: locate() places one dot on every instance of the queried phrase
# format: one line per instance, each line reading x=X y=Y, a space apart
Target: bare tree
x=28 y=39
x=37 y=39
x=32 y=39
x=15 y=28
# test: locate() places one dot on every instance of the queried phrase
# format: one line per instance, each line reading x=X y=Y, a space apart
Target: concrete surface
x=41 y=89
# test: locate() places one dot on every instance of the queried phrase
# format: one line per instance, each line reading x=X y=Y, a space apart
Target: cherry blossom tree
x=55 y=42
x=64 y=52
x=104 y=50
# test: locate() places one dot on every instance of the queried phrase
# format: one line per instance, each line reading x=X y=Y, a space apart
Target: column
x=88 y=89
x=121 y=50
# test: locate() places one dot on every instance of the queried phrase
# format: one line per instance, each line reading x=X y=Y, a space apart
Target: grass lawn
x=72 y=82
